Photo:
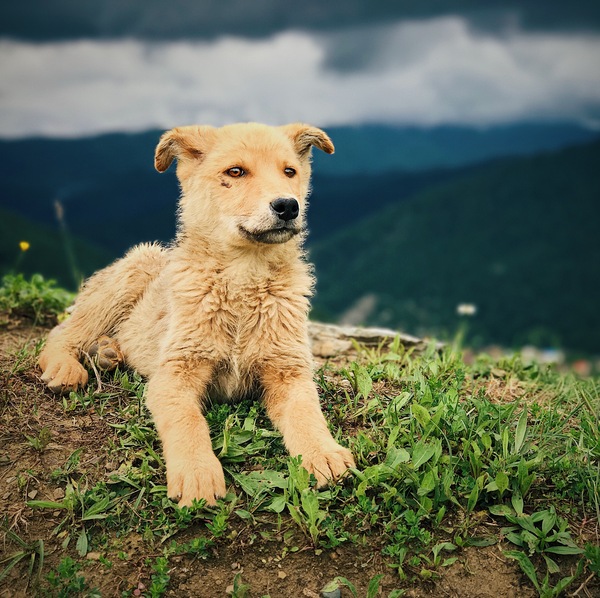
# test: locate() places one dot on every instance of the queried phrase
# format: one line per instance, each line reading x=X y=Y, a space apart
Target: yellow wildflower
x=24 y=245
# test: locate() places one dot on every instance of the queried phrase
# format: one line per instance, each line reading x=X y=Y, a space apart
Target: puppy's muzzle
x=285 y=208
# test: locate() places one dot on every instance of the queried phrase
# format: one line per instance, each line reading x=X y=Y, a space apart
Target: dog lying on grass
x=221 y=313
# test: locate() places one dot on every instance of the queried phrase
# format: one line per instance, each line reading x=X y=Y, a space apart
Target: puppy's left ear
x=304 y=137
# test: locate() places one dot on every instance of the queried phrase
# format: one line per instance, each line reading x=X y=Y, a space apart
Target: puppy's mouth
x=271 y=236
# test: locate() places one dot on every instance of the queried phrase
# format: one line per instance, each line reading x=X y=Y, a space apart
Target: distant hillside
x=107 y=185
x=112 y=195
x=67 y=261
x=498 y=234
x=372 y=149
x=518 y=238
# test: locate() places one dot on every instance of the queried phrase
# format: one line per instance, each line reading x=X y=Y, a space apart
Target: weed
x=66 y=581
x=40 y=442
x=544 y=587
x=239 y=589
x=437 y=458
x=36 y=298
x=33 y=552
x=70 y=466
x=542 y=532
x=333 y=587
x=160 y=578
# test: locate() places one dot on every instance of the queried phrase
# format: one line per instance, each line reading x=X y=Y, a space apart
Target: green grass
x=448 y=456
x=433 y=453
x=37 y=298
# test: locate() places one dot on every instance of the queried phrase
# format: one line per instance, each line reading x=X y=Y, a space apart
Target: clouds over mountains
x=113 y=66
x=428 y=72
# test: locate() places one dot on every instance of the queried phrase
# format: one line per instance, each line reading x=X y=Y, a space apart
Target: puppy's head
x=244 y=183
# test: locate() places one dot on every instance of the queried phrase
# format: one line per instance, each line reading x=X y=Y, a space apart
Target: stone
x=329 y=340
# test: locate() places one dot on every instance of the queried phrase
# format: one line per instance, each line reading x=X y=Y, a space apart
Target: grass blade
x=521 y=430
x=525 y=564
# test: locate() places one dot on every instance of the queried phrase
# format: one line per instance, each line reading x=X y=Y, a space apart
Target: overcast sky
x=78 y=73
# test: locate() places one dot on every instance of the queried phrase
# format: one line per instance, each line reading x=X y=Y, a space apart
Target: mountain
x=374 y=149
x=107 y=187
x=515 y=236
x=518 y=238
x=50 y=252
x=112 y=196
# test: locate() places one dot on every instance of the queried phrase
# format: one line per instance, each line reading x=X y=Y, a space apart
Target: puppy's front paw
x=329 y=464
x=63 y=375
x=195 y=478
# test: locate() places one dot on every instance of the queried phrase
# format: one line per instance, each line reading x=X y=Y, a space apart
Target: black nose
x=285 y=208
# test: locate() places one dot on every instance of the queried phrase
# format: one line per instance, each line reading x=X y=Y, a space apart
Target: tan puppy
x=220 y=313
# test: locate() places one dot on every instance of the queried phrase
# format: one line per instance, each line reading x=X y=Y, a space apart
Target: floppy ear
x=304 y=137
x=182 y=142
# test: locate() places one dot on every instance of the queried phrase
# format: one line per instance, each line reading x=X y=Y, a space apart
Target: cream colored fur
x=221 y=313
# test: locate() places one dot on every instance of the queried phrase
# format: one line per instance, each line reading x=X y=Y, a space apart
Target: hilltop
x=469 y=478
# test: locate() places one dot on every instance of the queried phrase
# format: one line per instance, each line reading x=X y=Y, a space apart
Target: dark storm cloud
x=45 y=20
x=427 y=72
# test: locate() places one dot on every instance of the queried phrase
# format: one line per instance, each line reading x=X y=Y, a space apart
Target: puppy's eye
x=236 y=172
x=289 y=172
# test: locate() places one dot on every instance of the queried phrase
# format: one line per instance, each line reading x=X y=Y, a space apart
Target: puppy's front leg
x=173 y=397
x=292 y=403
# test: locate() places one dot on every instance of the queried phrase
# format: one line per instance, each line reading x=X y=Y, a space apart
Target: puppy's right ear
x=183 y=142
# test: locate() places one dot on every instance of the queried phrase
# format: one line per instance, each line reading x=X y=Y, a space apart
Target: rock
x=281 y=575
x=331 y=590
x=329 y=340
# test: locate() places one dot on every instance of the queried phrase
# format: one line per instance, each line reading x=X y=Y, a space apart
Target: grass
x=37 y=298
x=449 y=457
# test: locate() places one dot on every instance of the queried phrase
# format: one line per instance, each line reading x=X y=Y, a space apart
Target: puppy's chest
x=245 y=326
x=244 y=319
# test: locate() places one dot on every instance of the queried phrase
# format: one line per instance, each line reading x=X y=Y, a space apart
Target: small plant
x=544 y=587
x=240 y=589
x=36 y=298
x=542 y=532
x=303 y=501
x=40 y=442
x=592 y=554
x=160 y=577
x=70 y=466
x=66 y=581
x=334 y=586
x=33 y=552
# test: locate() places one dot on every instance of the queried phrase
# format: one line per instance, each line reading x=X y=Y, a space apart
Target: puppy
x=222 y=312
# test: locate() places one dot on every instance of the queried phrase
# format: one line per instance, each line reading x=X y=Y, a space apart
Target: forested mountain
x=518 y=238
x=50 y=252
x=414 y=217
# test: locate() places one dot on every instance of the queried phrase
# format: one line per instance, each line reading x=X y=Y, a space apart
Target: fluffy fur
x=222 y=312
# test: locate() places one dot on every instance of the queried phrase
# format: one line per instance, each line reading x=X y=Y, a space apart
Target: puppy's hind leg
x=104 y=303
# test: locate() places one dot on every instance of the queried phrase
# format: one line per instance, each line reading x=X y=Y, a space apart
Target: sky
x=88 y=68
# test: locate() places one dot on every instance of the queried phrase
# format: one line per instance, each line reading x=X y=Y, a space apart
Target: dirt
x=268 y=566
